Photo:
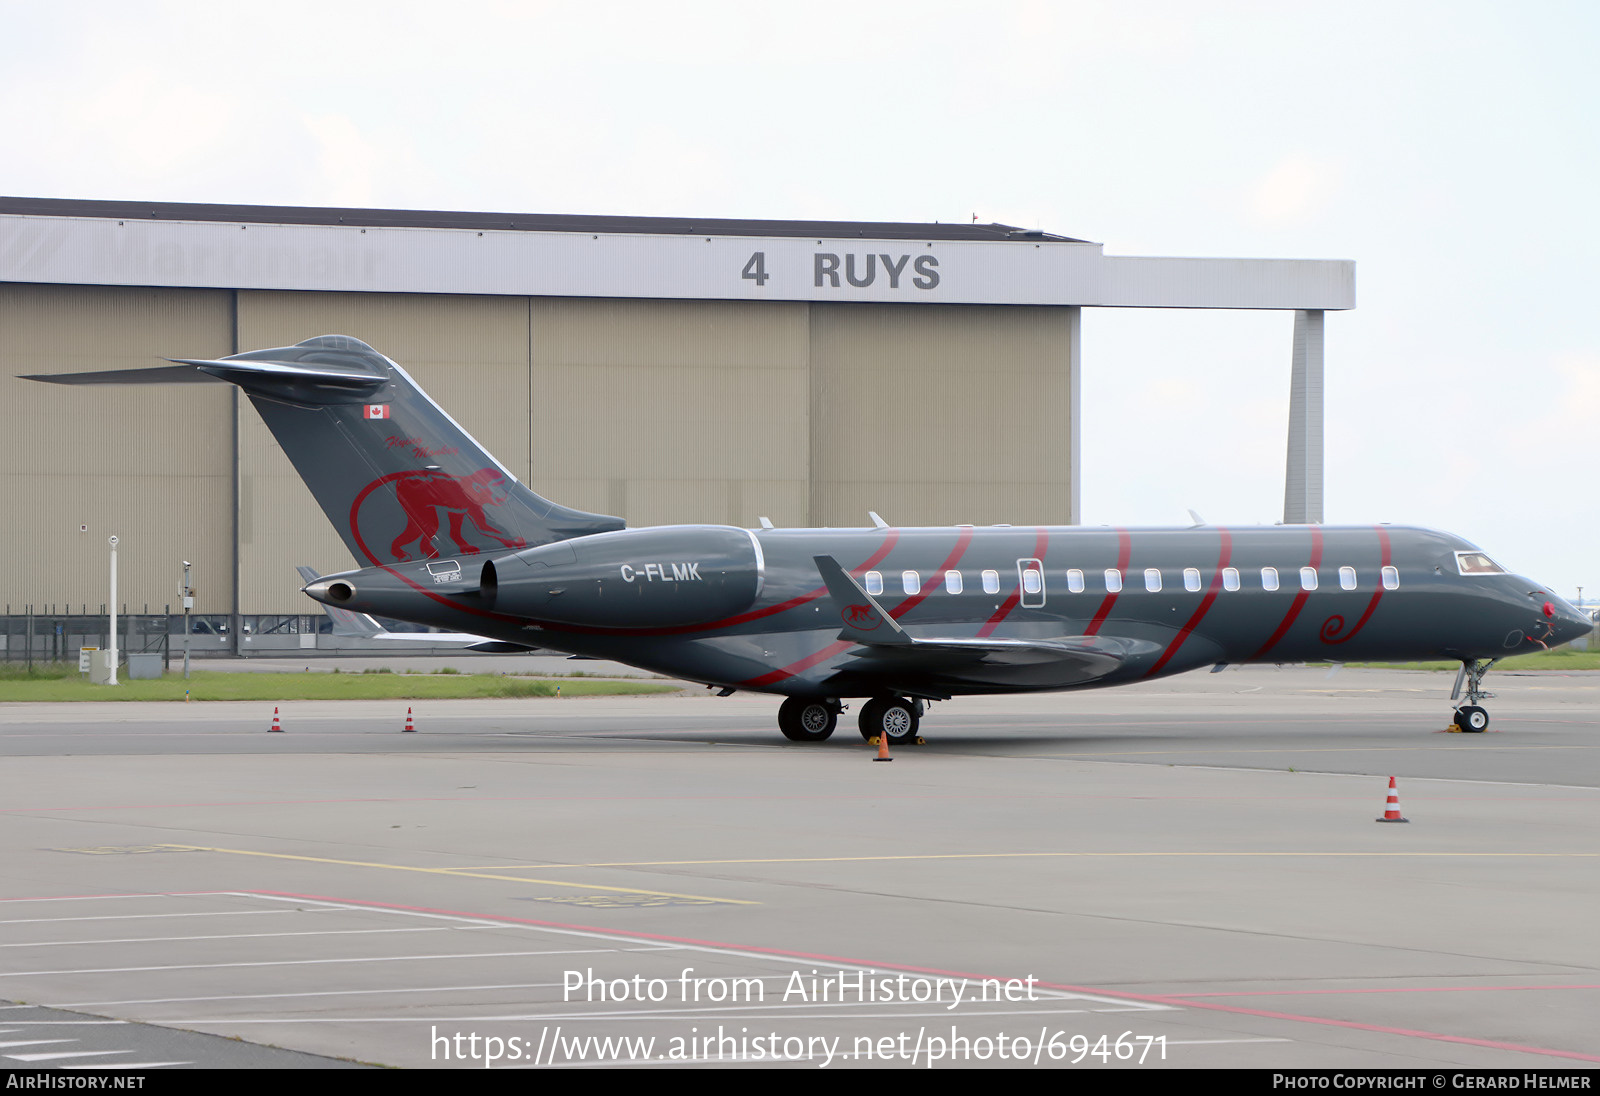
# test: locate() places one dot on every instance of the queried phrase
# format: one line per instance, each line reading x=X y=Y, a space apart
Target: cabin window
x=1191 y=579
x=1152 y=580
x=1269 y=578
x=1032 y=581
x=991 y=582
x=1230 y=578
x=1476 y=563
x=1347 y=578
x=874 y=583
x=952 y=581
x=1308 y=578
x=1075 y=581
x=1391 y=578
x=1113 y=580
x=911 y=582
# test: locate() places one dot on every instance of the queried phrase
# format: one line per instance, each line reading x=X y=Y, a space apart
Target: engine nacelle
x=633 y=578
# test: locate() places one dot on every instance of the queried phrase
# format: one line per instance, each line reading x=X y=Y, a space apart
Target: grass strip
x=1562 y=658
x=207 y=685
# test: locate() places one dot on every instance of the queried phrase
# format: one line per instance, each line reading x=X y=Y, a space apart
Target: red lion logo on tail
x=423 y=495
x=860 y=616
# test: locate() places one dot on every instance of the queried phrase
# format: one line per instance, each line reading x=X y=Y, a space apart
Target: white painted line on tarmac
x=309 y=993
x=238 y=936
x=123 y=1065
x=302 y=962
x=148 y=916
x=107 y=897
x=798 y=1012
x=68 y=1054
x=711 y=949
x=34 y=1042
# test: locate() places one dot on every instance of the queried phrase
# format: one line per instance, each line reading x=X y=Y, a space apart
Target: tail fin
x=387 y=464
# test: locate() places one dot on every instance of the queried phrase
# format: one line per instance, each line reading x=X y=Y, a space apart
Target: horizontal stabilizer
x=397 y=476
x=160 y=374
x=330 y=369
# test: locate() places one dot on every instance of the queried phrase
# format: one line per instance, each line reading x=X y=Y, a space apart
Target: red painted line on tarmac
x=1173 y=1002
x=1224 y=550
x=1124 y=549
x=1387 y=989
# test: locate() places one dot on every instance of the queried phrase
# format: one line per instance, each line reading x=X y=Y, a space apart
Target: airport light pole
x=188 y=604
x=112 y=680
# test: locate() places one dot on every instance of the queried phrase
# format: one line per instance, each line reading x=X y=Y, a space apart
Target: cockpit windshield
x=1476 y=563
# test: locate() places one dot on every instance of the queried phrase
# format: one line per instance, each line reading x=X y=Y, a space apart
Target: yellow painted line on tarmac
x=467 y=872
x=993 y=856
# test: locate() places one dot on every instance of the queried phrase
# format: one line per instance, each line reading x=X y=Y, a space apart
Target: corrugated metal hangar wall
x=664 y=370
x=660 y=411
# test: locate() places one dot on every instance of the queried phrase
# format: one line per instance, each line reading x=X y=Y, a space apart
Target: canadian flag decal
x=377 y=410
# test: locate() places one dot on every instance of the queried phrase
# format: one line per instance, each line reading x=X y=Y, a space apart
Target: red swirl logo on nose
x=1549 y=609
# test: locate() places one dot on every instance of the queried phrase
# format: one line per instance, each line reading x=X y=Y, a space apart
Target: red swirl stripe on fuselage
x=1124 y=552
x=1299 y=599
x=1224 y=550
x=1330 y=630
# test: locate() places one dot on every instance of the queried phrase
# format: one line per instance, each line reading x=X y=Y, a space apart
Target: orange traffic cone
x=1391 y=810
x=410 y=727
x=883 y=748
x=275 y=725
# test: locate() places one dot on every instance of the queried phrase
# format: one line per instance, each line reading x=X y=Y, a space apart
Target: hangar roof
x=531 y=222
x=77 y=242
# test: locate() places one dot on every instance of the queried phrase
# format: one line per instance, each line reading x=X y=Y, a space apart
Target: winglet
x=863 y=619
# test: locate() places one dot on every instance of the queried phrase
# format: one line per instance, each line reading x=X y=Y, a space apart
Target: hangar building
x=664 y=370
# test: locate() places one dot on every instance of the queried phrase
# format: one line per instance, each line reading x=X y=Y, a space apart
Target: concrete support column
x=1302 y=490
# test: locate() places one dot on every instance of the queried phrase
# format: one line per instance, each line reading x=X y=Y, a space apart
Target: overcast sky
x=1449 y=148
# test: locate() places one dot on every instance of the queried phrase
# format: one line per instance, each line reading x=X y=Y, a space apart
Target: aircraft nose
x=1574 y=624
x=1566 y=621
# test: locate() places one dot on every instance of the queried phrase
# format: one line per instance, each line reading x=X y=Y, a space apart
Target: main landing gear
x=813 y=719
x=894 y=717
x=1471 y=717
x=807 y=719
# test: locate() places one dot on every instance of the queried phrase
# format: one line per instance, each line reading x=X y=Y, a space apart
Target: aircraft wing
x=885 y=650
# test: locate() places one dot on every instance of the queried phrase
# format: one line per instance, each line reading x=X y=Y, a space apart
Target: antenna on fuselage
x=876 y=520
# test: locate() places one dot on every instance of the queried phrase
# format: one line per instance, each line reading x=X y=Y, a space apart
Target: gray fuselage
x=746 y=608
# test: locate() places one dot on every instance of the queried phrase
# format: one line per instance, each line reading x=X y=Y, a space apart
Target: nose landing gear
x=1471 y=717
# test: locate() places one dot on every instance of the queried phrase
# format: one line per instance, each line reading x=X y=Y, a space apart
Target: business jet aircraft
x=896 y=617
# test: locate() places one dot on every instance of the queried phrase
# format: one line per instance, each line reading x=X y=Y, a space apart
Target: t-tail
x=398 y=477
